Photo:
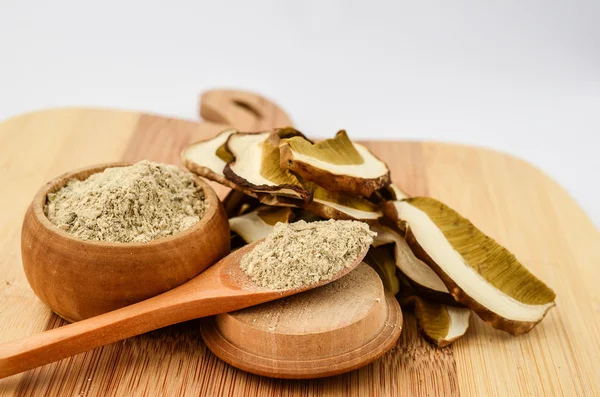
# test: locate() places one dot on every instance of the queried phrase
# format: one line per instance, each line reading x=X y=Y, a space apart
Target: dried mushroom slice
x=279 y=201
x=328 y=205
x=290 y=132
x=440 y=324
x=338 y=164
x=307 y=216
x=274 y=215
x=256 y=166
x=389 y=193
x=207 y=159
x=396 y=193
x=337 y=205
x=224 y=154
x=382 y=260
x=417 y=273
x=238 y=203
x=480 y=273
x=259 y=223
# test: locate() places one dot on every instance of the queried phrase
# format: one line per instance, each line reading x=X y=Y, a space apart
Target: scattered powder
x=302 y=253
x=138 y=203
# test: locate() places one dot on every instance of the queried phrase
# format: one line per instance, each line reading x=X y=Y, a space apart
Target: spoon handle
x=198 y=297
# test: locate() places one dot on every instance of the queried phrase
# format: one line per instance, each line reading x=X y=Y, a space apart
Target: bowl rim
x=58 y=182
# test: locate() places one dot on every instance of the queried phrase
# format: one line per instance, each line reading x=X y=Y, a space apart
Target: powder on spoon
x=302 y=253
x=137 y=203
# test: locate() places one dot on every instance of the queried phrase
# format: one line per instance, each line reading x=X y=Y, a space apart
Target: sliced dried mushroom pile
x=479 y=272
x=440 y=266
x=252 y=163
x=338 y=164
x=440 y=324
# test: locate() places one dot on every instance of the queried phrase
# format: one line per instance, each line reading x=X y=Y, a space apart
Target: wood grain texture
x=222 y=288
x=323 y=332
x=507 y=198
x=244 y=110
x=63 y=271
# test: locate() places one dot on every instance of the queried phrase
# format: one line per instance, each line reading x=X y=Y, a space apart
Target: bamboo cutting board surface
x=507 y=198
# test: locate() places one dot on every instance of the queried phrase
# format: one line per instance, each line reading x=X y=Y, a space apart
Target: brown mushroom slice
x=290 y=132
x=285 y=132
x=397 y=193
x=382 y=260
x=480 y=273
x=306 y=216
x=202 y=158
x=259 y=223
x=256 y=166
x=224 y=154
x=238 y=203
x=329 y=205
x=420 y=276
x=338 y=205
x=440 y=324
x=337 y=164
x=389 y=193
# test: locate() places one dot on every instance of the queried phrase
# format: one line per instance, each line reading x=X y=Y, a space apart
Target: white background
x=518 y=76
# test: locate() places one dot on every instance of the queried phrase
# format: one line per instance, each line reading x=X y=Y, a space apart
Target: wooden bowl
x=322 y=332
x=80 y=279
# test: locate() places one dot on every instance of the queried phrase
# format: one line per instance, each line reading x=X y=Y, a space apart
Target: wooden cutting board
x=509 y=199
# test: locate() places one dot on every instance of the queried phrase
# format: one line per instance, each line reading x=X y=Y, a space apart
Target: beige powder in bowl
x=138 y=203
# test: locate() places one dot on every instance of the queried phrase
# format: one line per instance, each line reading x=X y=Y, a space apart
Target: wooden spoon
x=222 y=288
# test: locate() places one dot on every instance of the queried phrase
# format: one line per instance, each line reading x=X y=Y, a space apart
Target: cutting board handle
x=245 y=111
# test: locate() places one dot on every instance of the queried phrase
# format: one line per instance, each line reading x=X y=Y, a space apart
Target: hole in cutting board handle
x=246 y=106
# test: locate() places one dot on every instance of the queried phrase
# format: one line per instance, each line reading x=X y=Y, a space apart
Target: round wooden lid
x=322 y=332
